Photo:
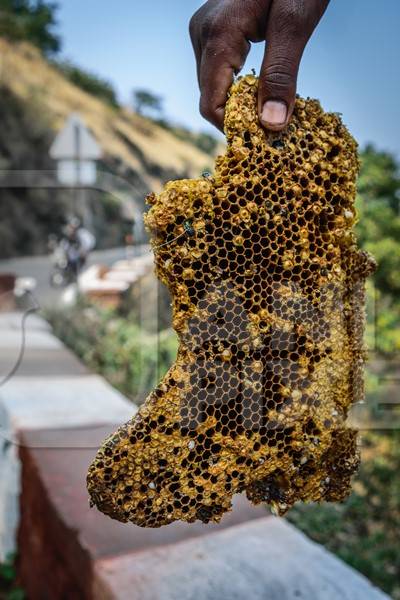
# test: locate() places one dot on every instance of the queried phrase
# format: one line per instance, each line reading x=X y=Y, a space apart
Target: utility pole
x=76 y=151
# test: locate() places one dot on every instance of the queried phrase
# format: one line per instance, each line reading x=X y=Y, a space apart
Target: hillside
x=35 y=100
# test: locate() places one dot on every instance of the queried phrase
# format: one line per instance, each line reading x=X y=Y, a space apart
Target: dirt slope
x=35 y=100
x=129 y=140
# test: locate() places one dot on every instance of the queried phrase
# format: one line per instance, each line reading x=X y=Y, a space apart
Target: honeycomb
x=267 y=286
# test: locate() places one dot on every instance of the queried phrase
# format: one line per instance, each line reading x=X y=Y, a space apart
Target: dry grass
x=134 y=140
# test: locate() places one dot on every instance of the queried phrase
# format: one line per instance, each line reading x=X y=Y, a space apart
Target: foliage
x=89 y=82
x=364 y=530
x=25 y=218
x=149 y=104
x=127 y=356
x=378 y=206
x=380 y=177
x=8 y=588
x=29 y=215
x=30 y=20
x=145 y=102
x=202 y=140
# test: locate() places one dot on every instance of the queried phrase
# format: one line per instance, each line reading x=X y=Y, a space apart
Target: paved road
x=39 y=268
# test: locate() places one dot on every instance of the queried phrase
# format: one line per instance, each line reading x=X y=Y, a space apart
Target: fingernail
x=274 y=113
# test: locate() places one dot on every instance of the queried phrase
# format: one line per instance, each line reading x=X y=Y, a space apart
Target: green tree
x=380 y=177
x=31 y=20
x=378 y=206
x=363 y=530
x=378 y=229
x=145 y=101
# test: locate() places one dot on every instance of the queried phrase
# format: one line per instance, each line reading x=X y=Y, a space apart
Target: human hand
x=221 y=32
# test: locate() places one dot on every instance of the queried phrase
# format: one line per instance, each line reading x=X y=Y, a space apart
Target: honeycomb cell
x=267 y=285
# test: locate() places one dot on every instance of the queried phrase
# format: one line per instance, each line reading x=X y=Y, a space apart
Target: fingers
x=220 y=33
x=221 y=49
x=290 y=25
x=219 y=64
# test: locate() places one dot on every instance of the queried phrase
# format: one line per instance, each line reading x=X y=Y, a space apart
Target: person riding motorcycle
x=77 y=244
x=71 y=252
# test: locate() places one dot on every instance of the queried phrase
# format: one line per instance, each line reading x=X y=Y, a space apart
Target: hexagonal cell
x=268 y=362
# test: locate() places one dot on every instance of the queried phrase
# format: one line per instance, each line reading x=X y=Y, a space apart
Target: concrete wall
x=53 y=416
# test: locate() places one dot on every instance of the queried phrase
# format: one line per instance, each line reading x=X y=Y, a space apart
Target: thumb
x=290 y=26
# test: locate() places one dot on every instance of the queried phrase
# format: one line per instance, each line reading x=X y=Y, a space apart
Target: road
x=39 y=268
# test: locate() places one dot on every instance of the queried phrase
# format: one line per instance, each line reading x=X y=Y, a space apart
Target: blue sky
x=351 y=64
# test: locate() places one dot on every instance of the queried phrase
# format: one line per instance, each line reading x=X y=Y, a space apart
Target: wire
x=171 y=241
x=188 y=231
x=34 y=309
x=18 y=362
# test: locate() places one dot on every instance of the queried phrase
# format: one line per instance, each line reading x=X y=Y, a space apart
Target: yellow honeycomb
x=267 y=285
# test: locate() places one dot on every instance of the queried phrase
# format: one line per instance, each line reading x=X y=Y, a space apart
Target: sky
x=351 y=63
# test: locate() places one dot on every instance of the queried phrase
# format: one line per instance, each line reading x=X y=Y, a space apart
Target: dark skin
x=222 y=32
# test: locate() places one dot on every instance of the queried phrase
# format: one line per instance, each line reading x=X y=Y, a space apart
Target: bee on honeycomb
x=267 y=285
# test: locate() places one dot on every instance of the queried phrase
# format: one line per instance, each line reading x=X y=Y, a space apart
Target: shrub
x=30 y=20
x=89 y=82
x=130 y=358
x=364 y=530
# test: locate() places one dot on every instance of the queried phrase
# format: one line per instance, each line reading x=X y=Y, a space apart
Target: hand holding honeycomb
x=268 y=303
